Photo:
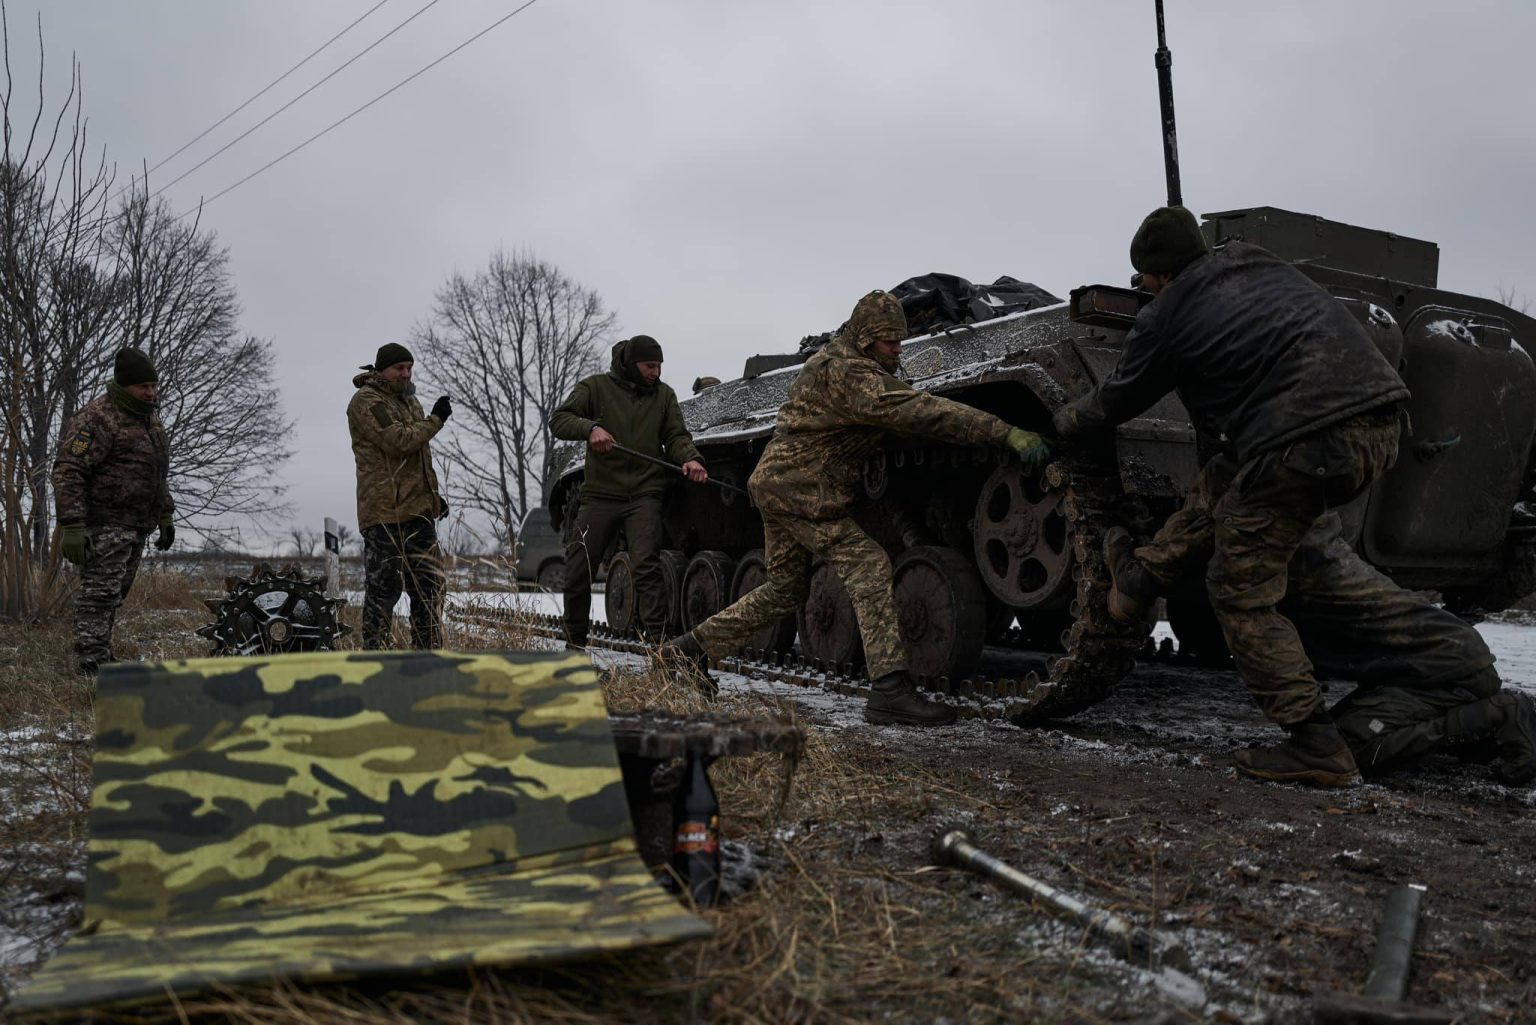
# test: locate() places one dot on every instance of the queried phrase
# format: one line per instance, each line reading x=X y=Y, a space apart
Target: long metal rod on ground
x=1381 y=1001
x=673 y=466
x=1141 y=946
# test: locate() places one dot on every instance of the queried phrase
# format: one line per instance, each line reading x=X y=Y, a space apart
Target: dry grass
x=844 y=927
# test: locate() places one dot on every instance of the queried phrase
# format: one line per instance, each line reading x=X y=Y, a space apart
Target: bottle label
x=696 y=838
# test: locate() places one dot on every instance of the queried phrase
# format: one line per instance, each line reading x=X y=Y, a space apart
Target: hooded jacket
x=644 y=418
x=390 y=435
x=112 y=468
x=1257 y=351
x=840 y=407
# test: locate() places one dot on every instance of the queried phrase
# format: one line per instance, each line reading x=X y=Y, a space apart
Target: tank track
x=1099 y=652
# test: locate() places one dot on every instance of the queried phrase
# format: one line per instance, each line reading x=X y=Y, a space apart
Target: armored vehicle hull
x=979 y=544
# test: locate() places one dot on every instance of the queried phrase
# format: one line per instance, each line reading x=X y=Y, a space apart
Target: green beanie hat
x=132 y=366
x=1168 y=239
x=391 y=353
x=642 y=349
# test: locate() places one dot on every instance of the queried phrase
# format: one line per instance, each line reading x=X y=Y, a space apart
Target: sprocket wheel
x=274 y=612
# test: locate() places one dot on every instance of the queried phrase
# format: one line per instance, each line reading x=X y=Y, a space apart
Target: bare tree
x=345 y=537
x=78 y=278
x=508 y=344
x=1514 y=300
x=305 y=540
x=218 y=399
x=53 y=199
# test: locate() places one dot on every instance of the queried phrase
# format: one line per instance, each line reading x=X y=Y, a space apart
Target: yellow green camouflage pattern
x=333 y=815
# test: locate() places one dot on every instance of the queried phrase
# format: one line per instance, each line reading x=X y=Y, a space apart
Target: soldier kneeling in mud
x=839 y=408
x=1425 y=678
x=1308 y=408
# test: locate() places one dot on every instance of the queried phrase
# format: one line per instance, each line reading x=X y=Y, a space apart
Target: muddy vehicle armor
x=979 y=544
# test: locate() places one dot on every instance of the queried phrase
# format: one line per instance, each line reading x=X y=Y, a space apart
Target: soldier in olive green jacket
x=846 y=399
x=628 y=406
x=397 y=498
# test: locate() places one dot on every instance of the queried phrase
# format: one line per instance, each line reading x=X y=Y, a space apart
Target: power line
x=359 y=110
x=420 y=11
x=313 y=54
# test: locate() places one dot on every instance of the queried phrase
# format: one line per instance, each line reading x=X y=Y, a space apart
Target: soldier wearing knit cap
x=398 y=502
x=110 y=485
x=839 y=410
x=1307 y=410
x=629 y=406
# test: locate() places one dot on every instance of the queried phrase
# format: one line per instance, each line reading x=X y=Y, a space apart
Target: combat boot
x=1501 y=728
x=896 y=702
x=1314 y=753
x=684 y=657
x=1133 y=591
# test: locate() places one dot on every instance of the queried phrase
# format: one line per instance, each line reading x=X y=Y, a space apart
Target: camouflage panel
x=334 y=815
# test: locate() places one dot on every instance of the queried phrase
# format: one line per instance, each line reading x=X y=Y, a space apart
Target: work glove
x=167 y=534
x=1065 y=422
x=1030 y=446
x=442 y=408
x=73 y=544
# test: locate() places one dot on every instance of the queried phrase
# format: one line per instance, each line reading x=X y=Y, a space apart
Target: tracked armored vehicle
x=979 y=544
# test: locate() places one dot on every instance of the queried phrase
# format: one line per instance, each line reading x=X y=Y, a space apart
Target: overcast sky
x=730 y=176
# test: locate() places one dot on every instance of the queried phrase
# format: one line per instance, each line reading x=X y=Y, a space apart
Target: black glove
x=442 y=503
x=167 y=534
x=442 y=408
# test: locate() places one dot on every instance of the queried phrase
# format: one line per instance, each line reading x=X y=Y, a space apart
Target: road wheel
x=1023 y=541
x=941 y=606
x=828 y=628
x=752 y=573
x=552 y=576
x=706 y=586
x=619 y=594
x=673 y=565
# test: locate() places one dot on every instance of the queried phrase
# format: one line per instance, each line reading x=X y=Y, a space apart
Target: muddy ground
x=1275 y=891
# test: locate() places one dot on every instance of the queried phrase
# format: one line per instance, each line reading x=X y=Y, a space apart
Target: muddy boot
x=1133 y=592
x=684 y=657
x=1314 y=753
x=1501 y=728
x=896 y=702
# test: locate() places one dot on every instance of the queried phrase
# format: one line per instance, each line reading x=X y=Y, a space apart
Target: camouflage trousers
x=590 y=534
x=791 y=547
x=111 y=563
x=1260 y=522
x=1413 y=662
x=404 y=556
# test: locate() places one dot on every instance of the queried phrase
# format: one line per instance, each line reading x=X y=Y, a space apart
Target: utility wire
x=359 y=110
x=420 y=11
x=313 y=54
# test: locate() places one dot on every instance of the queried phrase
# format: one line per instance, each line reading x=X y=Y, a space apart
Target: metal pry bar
x=673 y=466
x=1130 y=941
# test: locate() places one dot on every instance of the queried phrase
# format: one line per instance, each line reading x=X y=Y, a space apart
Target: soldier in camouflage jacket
x=845 y=400
x=397 y=498
x=110 y=484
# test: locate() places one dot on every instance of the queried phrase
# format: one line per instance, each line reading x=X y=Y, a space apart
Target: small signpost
x=332 y=559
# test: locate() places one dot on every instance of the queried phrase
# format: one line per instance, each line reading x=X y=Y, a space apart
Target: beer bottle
x=696 y=837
